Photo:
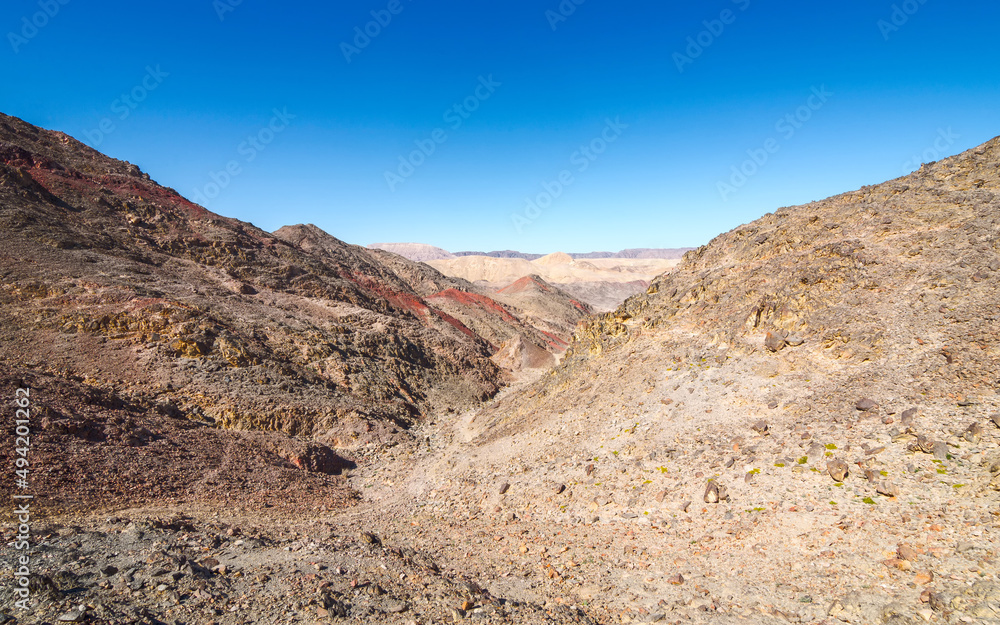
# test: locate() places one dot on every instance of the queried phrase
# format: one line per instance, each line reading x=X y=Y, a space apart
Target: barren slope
x=857 y=450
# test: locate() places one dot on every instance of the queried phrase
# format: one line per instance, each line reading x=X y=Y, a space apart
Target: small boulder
x=974 y=433
x=715 y=492
x=925 y=444
x=887 y=489
x=775 y=340
x=837 y=469
x=906 y=552
x=866 y=404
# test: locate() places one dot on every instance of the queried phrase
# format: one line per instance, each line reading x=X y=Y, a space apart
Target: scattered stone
x=974 y=433
x=866 y=405
x=560 y=488
x=775 y=340
x=906 y=552
x=109 y=570
x=73 y=616
x=940 y=450
x=760 y=427
x=923 y=578
x=590 y=470
x=837 y=469
x=907 y=417
x=897 y=563
x=506 y=486
x=996 y=419
x=676 y=580
x=937 y=602
x=925 y=444
x=369 y=539
x=660 y=496
x=715 y=492
x=887 y=489
x=795 y=340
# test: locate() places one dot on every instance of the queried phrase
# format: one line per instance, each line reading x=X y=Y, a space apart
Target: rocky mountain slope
x=600 y=283
x=112 y=279
x=155 y=335
x=801 y=423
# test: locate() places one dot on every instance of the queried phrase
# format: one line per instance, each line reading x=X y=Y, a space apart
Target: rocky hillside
x=111 y=279
x=801 y=423
x=601 y=283
x=541 y=325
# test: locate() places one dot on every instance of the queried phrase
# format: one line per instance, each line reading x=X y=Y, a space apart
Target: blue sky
x=578 y=127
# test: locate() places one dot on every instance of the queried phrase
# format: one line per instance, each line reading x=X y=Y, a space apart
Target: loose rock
x=866 y=405
x=837 y=469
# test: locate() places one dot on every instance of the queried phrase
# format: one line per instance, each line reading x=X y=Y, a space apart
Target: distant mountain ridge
x=638 y=252
x=421 y=252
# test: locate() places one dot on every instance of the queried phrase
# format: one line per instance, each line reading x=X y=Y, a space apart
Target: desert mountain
x=113 y=279
x=798 y=424
x=540 y=325
x=640 y=252
x=601 y=283
x=419 y=252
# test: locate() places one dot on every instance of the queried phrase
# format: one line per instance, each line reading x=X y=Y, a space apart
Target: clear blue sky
x=926 y=74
